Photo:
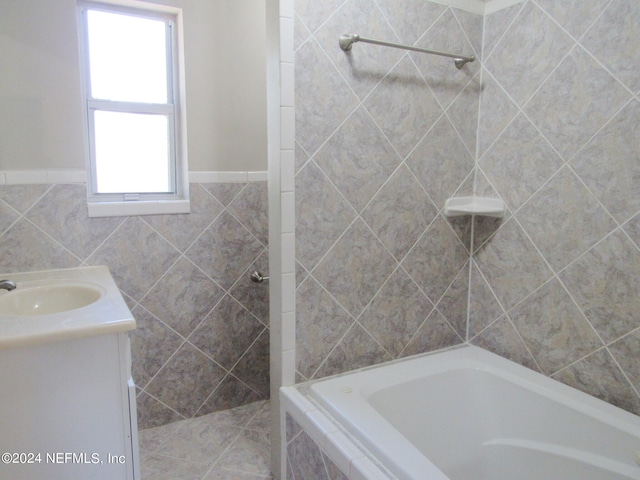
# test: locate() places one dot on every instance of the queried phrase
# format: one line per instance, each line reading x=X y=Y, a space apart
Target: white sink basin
x=59 y=305
x=48 y=299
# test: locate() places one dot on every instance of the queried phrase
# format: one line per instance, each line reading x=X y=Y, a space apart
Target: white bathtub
x=467 y=414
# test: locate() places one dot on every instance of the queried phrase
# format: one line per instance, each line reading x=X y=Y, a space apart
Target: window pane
x=132 y=152
x=127 y=58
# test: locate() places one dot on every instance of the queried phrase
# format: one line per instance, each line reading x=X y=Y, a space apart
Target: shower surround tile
x=358 y=159
x=301 y=32
x=463 y=113
x=322 y=215
x=403 y=106
x=575 y=16
x=484 y=307
x=564 y=220
x=314 y=13
x=553 y=133
x=436 y=259
x=410 y=18
x=355 y=268
x=503 y=339
x=443 y=77
x=575 y=102
x=454 y=304
x=528 y=52
x=614 y=40
x=357 y=178
x=472 y=26
x=588 y=117
x=599 y=376
x=443 y=156
x=613 y=150
x=186 y=380
x=496 y=25
x=355 y=350
x=320 y=323
x=562 y=337
x=183 y=297
x=256 y=300
x=497 y=110
x=152 y=344
x=625 y=352
x=606 y=284
x=365 y=65
x=434 y=334
x=323 y=99
x=511 y=264
x=228 y=394
x=632 y=228
x=519 y=162
x=396 y=313
x=400 y=212
x=253 y=366
x=225 y=250
x=226 y=341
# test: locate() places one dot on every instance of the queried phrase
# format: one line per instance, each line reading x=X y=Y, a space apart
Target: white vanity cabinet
x=67 y=411
x=67 y=401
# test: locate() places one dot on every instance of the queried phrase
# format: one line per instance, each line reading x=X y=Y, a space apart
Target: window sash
x=161 y=110
x=169 y=109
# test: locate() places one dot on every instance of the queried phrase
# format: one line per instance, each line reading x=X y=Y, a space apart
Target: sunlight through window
x=131 y=103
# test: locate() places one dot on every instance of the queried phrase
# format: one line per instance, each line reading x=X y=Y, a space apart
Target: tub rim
x=459 y=357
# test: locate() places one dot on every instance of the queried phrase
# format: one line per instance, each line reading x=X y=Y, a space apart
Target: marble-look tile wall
x=547 y=119
x=383 y=138
x=556 y=285
x=202 y=342
x=305 y=458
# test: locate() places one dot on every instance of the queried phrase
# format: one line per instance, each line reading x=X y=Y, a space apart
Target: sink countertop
x=109 y=314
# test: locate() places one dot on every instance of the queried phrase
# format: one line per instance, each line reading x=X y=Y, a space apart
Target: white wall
x=40 y=102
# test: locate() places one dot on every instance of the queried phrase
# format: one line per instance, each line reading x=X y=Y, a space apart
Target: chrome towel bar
x=347 y=41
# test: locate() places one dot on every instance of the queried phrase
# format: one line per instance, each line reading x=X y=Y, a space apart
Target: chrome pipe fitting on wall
x=257 y=277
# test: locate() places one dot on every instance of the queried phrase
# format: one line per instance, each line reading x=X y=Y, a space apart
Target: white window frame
x=137 y=203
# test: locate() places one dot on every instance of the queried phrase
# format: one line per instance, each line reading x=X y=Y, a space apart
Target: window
x=131 y=82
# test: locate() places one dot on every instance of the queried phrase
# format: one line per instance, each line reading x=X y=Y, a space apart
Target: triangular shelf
x=484 y=206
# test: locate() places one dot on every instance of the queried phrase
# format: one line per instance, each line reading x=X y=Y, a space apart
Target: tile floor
x=227 y=445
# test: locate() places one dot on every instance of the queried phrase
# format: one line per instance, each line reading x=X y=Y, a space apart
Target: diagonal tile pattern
x=357 y=159
x=446 y=35
x=528 y=52
x=178 y=273
x=567 y=166
x=231 y=444
x=367 y=207
x=403 y=106
x=546 y=119
x=365 y=65
x=574 y=103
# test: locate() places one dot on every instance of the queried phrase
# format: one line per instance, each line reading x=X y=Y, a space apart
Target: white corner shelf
x=483 y=206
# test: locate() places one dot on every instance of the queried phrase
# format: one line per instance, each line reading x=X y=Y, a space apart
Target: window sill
x=123 y=209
